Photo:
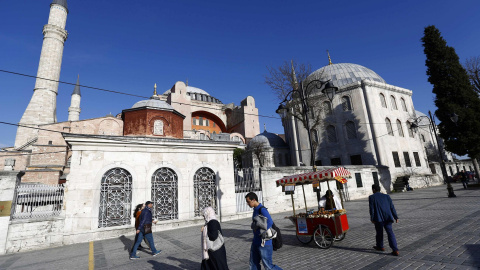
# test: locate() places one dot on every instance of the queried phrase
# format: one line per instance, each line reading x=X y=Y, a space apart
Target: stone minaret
x=74 y=109
x=42 y=106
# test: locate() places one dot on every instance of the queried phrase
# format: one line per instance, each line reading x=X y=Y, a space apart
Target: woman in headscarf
x=212 y=259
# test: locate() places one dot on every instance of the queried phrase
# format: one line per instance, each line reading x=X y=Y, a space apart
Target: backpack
x=277 y=242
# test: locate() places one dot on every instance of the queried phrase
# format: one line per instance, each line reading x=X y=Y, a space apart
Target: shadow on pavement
x=364 y=250
x=159 y=265
x=238 y=234
x=474 y=251
x=127 y=243
x=184 y=263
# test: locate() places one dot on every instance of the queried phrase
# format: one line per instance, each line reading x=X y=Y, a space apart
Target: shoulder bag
x=147 y=228
x=217 y=244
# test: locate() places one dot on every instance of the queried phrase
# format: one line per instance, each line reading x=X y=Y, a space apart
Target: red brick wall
x=141 y=122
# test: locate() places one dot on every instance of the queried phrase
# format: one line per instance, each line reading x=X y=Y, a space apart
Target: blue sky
x=222 y=47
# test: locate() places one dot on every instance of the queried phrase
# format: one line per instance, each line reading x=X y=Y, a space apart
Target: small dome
x=345 y=73
x=191 y=89
x=268 y=140
x=153 y=103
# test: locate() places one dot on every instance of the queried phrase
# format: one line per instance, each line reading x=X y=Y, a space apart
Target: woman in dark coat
x=212 y=259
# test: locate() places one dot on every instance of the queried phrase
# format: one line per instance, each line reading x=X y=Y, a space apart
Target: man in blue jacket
x=145 y=219
x=261 y=249
x=382 y=214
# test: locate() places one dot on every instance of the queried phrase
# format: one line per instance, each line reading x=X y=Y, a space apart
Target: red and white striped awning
x=338 y=174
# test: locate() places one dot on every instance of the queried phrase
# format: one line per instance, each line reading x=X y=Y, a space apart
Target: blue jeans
x=392 y=242
x=263 y=254
x=149 y=238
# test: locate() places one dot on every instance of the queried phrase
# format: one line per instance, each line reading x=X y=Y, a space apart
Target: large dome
x=197 y=94
x=268 y=140
x=345 y=73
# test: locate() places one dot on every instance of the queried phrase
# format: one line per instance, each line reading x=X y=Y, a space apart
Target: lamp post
x=328 y=89
x=440 y=150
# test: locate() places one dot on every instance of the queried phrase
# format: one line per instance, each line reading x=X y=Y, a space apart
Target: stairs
x=399 y=185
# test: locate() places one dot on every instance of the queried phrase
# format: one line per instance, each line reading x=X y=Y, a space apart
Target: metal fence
x=37 y=201
x=247 y=180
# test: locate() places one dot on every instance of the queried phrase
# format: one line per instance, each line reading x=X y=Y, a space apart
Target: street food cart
x=324 y=227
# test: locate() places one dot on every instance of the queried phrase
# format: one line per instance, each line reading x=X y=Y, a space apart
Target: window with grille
x=404 y=105
x=356 y=160
x=358 y=177
x=351 y=130
x=200 y=121
x=389 y=126
x=327 y=108
x=336 y=161
x=394 y=103
x=383 y=101
x=417 y=159
x=346 y=105
x=165 y=194
x=375 y=178
x=205 y=190
x=331 y=134
x=406 y=156
x=396 y=159
x=400 y=128
x=115 y=198
x=206 y=122
x=194 y=121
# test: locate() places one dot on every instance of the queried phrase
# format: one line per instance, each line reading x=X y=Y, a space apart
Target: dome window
x=389 y=126
x=383 y=101
x=394 y=103
x=346 y=104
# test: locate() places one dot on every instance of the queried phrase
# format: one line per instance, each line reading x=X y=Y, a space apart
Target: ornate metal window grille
x=205 y=190
x=327 y=108
x=115 y=198
x=400 y=128
x=165 y=194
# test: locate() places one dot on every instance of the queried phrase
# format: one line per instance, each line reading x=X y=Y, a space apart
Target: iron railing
x=37 y=201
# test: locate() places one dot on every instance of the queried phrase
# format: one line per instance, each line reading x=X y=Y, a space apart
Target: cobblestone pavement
x=434 y=232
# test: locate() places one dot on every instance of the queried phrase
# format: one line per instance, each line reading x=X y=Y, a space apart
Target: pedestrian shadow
x=127 y=243
x=364 y=250
x=163 y=266
x=474 y=250
x=184 y=263
x=238 y=234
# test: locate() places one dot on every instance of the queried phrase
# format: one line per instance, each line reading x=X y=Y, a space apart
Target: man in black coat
x=382 y=214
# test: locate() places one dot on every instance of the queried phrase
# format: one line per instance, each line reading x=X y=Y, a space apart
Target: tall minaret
x=42 y=106
x=74 y=109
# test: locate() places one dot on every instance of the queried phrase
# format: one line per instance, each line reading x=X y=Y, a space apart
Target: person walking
x=214 y=257
x=261 y=249
x=382 y=214
x=136 y=215
x=144 y=229
x=463 y=177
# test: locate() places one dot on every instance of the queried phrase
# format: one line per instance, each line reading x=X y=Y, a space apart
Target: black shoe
x=378 y=248
x=395 y=253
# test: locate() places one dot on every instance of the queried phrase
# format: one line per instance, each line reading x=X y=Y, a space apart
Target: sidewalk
x=434 y=232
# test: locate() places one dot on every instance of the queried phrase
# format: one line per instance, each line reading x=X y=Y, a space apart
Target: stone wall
x=24 y=235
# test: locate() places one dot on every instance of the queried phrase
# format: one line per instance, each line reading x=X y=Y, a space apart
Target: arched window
x=410 y=130
x=389 y=126
x=394 y=103
x=327 y=108
x=115 y=198
x=400 y=128
x=346 y=105
x=351 y=130
x=205 y=190
x=331 y=134
x=165 y=194
x=404 y=105
x=383 y=101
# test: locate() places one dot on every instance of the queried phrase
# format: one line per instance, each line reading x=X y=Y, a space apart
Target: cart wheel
x=323 y=237
x=305 y=239
x=340 y=237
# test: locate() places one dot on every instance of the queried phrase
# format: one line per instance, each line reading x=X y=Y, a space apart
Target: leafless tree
x=293 y=76
x=472 y=65
x=259 y=151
